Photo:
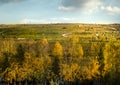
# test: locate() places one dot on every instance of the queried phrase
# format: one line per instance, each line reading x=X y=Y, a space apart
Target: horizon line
x=53 y=23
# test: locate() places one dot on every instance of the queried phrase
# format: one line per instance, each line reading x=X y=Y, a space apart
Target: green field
x=60 y=31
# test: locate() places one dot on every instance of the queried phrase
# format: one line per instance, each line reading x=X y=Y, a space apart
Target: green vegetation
x=60 y=54
x=58 y=31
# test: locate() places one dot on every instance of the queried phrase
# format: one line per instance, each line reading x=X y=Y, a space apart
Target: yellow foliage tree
x=70 y=72
x=57 y=50
x=42 y=47
x=107 y=59
x=89 y=68
x=79 y=51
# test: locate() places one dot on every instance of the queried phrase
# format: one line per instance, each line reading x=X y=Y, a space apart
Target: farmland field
x=60 y=54
x=59 y=31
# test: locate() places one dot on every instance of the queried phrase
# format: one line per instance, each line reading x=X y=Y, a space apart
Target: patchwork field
x=60 y=31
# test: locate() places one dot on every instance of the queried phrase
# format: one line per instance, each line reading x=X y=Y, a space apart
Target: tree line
x=67 y=62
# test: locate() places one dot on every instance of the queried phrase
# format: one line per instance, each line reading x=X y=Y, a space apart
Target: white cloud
x=111 y=10
x=92 y=6
x=33 y=21
x=63 y=8
x=46 y=21
x=61 y=19
x=87 y=6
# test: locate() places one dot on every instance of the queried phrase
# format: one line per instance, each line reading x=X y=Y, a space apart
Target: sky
x=59 y=11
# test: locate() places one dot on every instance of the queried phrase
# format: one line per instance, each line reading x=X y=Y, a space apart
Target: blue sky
x=59 y=11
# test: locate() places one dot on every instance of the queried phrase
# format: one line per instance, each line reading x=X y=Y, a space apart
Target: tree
x=111 y=62
x=42 y=48
x=89 y=68
x=78 y=52
x=73 y=50
x=107 y=61
x=24 y=73
x=57 y=56
x=38 y=69
x=20 y=53
x=57 y=50
x=70 y=72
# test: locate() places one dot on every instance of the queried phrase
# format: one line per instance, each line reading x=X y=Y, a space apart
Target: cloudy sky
x=59 y=11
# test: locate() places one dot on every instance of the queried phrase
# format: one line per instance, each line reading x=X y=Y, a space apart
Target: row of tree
x=66 y=63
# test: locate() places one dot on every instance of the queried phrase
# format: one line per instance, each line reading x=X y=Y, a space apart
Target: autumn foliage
x=67 y=62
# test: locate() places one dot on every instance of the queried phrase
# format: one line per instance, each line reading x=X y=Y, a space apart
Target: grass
x=56 y=31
